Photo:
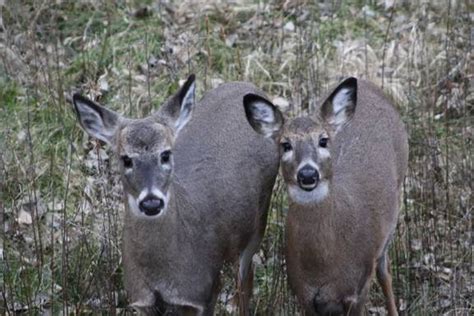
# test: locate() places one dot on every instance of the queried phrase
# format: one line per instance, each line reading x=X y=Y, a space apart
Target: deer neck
x=322 y=216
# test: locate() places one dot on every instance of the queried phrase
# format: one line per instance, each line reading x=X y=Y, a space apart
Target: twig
x=392 y=10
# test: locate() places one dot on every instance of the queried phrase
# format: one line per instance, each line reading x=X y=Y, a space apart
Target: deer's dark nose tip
x=151 y=205
x=308 y=177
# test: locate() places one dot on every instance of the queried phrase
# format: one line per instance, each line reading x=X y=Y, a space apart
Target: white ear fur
x=341 y=101
x=96 y=120
x=177 y=110
x=263 y=113
x=187 y=105
x=339 y=108
x=263 y=116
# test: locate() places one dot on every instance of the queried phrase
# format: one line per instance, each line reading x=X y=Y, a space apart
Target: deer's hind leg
x=245 y=276
x=385 y=280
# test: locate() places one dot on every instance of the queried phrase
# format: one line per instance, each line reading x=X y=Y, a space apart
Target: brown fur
x=334 y=246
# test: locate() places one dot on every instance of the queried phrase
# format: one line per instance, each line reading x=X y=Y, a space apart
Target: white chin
x=308 y=187
x=300 y=196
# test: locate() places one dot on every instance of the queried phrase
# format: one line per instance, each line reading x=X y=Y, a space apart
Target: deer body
x=215 y=209
x=344 y=168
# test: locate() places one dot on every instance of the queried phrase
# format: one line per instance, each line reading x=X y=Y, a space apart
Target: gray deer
x=196 y=196
x=343 y=167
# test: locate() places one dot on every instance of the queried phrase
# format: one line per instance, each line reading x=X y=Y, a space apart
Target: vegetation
x=60 y=200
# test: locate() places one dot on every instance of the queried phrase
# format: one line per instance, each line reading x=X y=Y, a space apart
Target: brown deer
x=343 y=168
x=196 y=194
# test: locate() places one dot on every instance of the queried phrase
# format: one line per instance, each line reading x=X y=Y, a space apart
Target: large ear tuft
x=339 y=107
x=177 y=111
x=96 y=120
x=263 y=116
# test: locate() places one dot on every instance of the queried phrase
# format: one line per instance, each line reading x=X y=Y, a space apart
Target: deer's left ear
x=96 y=120
x=177 y=111
x=339 y=107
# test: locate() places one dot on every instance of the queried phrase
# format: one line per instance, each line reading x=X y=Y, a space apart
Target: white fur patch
x=287 y=156
x=308 y=186
x=166 y=166
x=264 y=114
x=145 y=302
x=134 y=203
x=300 y=196
x=186 y=108
x=324 y=153
x=308 y=162
x=340 y=102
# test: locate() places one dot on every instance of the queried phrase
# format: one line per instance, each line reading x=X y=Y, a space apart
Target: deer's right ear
x=177 y=111
x=263 y=116
x=340 y=107
x=96 y=120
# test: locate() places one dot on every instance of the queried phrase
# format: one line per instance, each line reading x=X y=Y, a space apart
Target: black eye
x=127 y=161
x=165 y=156
x=286 y=146
x=323 y=142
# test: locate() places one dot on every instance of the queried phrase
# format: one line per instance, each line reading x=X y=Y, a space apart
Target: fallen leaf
x=24 y=217
x=281 y=103
x=289 y=27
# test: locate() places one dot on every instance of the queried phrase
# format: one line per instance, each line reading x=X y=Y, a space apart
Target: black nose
x=151 y=205
x=308 y=177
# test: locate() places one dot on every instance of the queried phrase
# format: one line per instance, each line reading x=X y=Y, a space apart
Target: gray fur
x=95 y=119
x=220 y=189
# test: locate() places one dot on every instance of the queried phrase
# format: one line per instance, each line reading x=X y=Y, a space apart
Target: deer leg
x=216 y=288
x=245 y=275
x=356 y=309
x=354 y=305
x=245 y=287
x=385 y=280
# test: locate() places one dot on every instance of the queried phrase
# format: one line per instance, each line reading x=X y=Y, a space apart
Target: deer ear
x=96 y=120
x=263 y=116
x=177 y=111
x=339 y=107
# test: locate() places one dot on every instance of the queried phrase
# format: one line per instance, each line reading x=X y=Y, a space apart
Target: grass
x=61 y=206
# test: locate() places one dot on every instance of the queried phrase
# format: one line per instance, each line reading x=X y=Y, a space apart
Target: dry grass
x=61 y=200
